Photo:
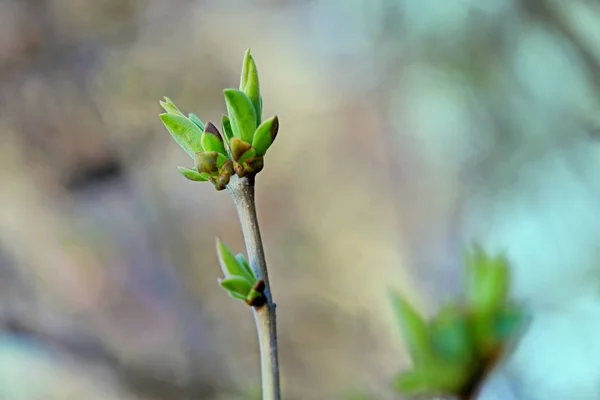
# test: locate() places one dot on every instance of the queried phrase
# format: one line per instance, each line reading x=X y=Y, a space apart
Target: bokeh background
x=407 y=128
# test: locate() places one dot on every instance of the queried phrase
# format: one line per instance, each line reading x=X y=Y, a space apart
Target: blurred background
x=407 y=129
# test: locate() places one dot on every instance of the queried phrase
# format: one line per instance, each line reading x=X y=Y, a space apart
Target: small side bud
x=239 y=148
x=254 y=165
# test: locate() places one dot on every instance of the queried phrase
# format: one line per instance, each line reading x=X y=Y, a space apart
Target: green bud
x=241 y=114
x=215 y=181
x=247 y=156
x=185 y=133
x=170 y=107
x=249 y=84
x=225 y=172
x=191 y=174
x=256 y=297
x=209 y=162
x=211 y=139
x=230 y=264
x=414 y=329
x=254 y=165
x=239 y=170
x=239 y=148
x=236 y=284
x=192 y=117
x=265 y=135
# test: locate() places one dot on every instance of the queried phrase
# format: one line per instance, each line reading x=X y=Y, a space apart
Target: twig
x=242 y=192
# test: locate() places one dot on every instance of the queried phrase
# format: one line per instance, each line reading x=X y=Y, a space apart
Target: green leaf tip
x=192 y=174
x=170 y=107
x=250 y=84
x=242 y=114
x=185 y=132
x=487 y=280
x=414 y=329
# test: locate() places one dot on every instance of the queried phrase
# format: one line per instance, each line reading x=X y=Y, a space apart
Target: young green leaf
x=191 y=174
x=170 y=107
x=249 y=84
x=265 y=135
x=241 y=114
x=211 y=139
x=227 y=132
x=487 y=281
x=185 y=133
x=192 y=117
x=414 y=329
x=244 y=263
x=230 y=265
x=237 y=284
x=450 y=335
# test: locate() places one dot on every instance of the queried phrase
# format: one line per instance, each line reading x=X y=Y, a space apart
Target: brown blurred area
x=108 y=272
x=107 y=264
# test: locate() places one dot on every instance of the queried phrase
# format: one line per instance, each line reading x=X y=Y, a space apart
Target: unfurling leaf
x=241 y=114
x=244 y=263
x=227 y=132
x=249 y=84
x=230 y=264
x=185 y=133
x=192 y=117
x=238 y=285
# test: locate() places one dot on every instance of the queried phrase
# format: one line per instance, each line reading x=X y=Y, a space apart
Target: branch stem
x=242 y=193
